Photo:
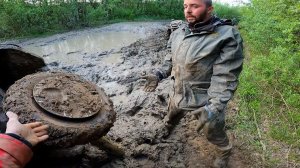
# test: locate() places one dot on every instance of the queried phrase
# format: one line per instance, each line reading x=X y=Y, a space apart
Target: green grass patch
x=269 y=84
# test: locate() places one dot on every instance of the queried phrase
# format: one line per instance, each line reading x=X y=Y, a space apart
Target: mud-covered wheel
x=76 y=110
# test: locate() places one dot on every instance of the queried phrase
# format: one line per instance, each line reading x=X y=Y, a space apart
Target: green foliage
x=228 y=12
x=19 y=18
x=97 y=15
x=271 y=29
x=22 y=19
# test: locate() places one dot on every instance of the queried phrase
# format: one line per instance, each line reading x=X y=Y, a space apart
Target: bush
x=227 y=12
x=22 y=19
x=272 y=74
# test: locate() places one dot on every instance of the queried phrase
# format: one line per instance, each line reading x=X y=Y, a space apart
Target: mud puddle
x=71 y=50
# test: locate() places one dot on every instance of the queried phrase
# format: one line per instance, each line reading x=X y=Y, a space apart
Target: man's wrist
x=16 y=148
x=23 y=140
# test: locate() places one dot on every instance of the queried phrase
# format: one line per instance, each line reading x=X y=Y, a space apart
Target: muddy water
x=71 y=50
x=73 y=47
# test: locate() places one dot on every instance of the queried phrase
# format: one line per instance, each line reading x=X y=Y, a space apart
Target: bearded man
x=205 y=60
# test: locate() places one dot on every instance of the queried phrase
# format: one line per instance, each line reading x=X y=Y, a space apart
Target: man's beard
x=201 y=18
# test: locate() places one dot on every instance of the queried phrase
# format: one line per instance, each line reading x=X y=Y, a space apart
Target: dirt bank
x=140 y=114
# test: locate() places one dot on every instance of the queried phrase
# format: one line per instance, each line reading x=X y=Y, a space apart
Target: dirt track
x=140 y=114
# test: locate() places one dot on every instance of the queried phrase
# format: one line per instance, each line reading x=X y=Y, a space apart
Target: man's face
x=196 y=11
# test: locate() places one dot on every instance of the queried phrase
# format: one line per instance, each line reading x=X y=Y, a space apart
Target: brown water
x=71 y=50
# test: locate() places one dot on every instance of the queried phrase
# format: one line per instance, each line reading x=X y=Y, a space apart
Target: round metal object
x=31 y=99
x=68 y=97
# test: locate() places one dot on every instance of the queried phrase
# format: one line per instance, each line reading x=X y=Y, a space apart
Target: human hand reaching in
x=34 y=132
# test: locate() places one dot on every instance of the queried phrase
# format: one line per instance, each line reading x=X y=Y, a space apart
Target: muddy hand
x=151 y=83
x=34 y=132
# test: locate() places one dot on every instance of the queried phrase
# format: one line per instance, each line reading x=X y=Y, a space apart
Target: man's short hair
x=208 y=3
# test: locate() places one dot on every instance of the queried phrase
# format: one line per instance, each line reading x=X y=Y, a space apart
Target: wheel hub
x=67 y=97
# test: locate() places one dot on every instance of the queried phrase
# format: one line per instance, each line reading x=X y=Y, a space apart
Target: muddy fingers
x=151 y=84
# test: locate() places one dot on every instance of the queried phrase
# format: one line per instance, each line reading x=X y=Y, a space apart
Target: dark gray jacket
x=205 y=63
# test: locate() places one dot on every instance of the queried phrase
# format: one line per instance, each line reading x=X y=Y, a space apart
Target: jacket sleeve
x=165 y=70
x=226 y=70
x=13 y=153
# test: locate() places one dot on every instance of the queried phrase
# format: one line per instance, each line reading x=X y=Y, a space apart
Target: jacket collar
x=207 y=26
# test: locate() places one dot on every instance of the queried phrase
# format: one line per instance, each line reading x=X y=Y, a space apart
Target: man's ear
x=210 y=10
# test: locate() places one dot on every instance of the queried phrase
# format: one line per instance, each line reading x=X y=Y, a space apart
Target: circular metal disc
x=68 y=97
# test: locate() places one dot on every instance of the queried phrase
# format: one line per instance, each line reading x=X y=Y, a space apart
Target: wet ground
x=114 y=57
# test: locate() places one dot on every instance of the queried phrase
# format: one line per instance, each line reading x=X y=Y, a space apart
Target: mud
x=67 y=96
x=138 y=127
x=63 y=133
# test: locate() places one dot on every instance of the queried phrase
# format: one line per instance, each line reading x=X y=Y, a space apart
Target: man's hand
x=203 y=116
x=34 y=132
x=151 y=83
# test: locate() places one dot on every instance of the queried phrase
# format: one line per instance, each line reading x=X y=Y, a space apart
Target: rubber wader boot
x=169 y=125
x=165 y=130
x=223 y=154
